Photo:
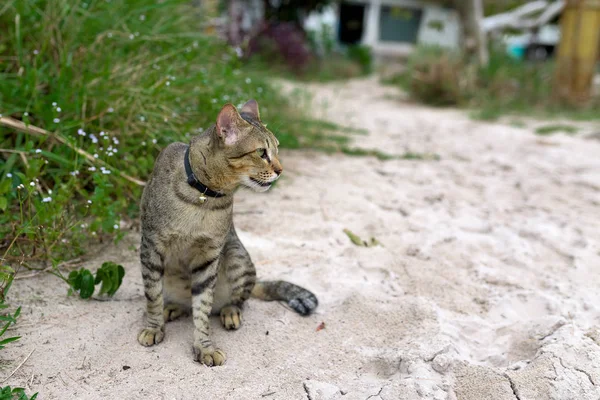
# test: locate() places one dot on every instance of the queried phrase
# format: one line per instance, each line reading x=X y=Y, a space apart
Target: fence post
x=577 y=51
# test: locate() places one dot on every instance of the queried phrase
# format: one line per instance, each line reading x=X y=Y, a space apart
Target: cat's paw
x=172 y=312
x=151 y=336
x=304 y=305
x=231 y=317
x=209 y=356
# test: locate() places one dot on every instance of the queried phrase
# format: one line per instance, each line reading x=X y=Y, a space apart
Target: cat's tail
x=301 y=300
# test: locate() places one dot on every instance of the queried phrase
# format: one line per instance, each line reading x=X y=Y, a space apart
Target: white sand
x=487 y=287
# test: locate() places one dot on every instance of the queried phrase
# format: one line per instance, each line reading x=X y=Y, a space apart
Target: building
x=391 y=27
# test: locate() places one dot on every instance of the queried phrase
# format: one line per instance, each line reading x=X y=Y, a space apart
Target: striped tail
x=301 y=300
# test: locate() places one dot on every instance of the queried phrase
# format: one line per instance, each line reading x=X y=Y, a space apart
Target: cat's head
x=250 y=148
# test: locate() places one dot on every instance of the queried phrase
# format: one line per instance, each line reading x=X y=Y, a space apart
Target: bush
x=444 y=78
x=119 y=80
x=363 y=56
x=438 y=77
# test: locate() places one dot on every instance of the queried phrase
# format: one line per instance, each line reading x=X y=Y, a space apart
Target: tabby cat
x=190 y=252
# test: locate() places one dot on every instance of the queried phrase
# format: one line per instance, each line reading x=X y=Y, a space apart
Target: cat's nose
x=278 y=171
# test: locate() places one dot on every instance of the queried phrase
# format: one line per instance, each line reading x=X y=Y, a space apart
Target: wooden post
x=577 y=51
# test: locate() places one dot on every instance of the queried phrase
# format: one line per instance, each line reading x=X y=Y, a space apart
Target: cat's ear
x=251 y=107
x=228 y=124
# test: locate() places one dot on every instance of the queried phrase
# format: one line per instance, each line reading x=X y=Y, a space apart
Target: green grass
x=119 y=80
x=505 y=86
x=550 y=129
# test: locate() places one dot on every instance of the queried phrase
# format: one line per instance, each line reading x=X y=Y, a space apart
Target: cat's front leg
x=204 y=278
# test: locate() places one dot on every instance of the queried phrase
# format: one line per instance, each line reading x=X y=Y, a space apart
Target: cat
x=190 y=252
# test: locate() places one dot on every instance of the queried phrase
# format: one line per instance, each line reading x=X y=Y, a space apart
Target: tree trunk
x=471 y=12
x=577 y=51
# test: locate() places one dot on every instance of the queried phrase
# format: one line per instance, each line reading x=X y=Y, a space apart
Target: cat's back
x=168 y=170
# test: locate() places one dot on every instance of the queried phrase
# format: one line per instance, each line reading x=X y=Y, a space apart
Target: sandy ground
x=487 y=285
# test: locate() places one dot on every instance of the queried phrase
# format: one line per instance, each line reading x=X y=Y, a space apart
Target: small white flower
x=53 y=104
x=131 y=36
x=49 y=191
x=201 y=129
x=45 y=161
x=110 y=109
x=239 y=52
x=115 y=140
x=31 y=183
x=166 y=119
x=142 y=17
x=89 y=202
x=214 y=101
x=20 y=187
x=38 y=151
x=95 y=155
x=110 y=153
x=259 y=90
x=142 y=118
x=92 y=169
x=106 y=171
x=94 y=233
x=154 y=141
x=47 y=199
x=143 y=143
x=81 y=132
x=116 y=226
x=25 y=114
x=225 y=97
x=58 y=109
x=94 y=138
x=56 y=120
x=106 y=137
x=102 y=133
x=74 y=173
x=248 y=80
x=114 y=150
x=168 y=83
x=36 y=52
x=109 y=34
x=64 y=240
x=195 y=44
x=9 y=175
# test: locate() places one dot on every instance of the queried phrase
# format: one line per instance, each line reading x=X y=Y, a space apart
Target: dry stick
x=34 y=130
x=20 y=365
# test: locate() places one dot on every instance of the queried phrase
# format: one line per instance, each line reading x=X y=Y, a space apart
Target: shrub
x=118 y=80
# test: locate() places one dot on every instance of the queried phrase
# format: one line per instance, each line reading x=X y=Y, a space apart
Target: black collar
x=194 y=182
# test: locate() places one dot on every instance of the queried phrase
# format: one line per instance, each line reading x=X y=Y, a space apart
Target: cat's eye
x=262 y=153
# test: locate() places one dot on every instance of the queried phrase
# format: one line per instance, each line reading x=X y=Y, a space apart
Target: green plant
x=504 y=86
x=108 y=84
x=550 y=129
x=362 y=55
x=8 y=393
x=7 y=319
x=110 y=275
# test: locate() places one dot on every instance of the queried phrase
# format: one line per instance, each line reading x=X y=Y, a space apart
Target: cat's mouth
x=260 y=183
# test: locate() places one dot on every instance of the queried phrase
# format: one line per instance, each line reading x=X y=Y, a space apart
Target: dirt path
x=487 y=285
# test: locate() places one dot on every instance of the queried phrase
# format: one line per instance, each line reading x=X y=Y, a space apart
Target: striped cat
x=190 y=252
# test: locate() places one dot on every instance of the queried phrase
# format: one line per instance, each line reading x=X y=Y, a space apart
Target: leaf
x=75 y=280
x=87 y=284
x=354 y=238
x=111 y=275
x=3 y=203
x=8 y=340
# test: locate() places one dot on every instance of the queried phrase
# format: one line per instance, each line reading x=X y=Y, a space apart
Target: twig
x=34 y=130
x=20 y=365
